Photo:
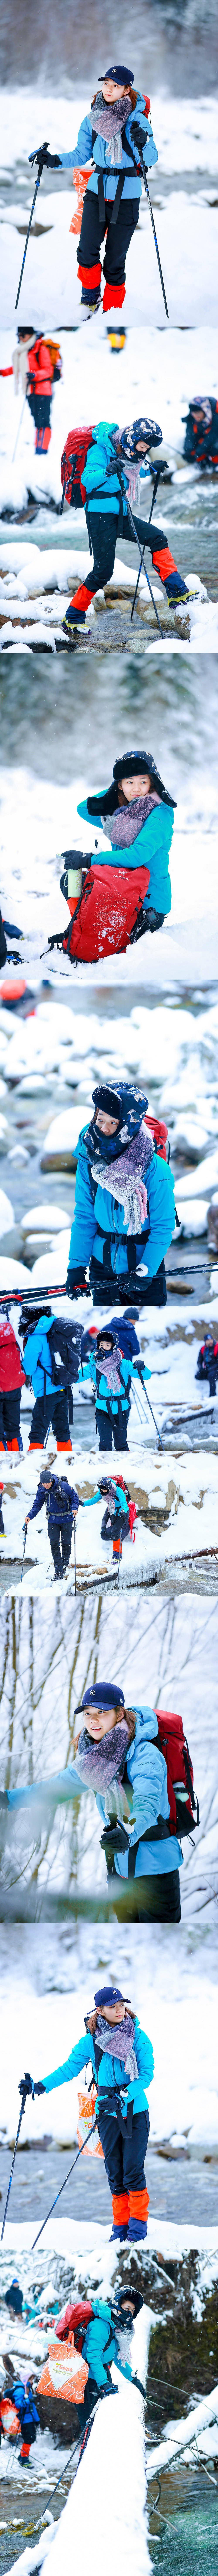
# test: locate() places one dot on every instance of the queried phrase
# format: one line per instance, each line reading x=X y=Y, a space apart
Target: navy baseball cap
x=102 y=1695
x=109 y=1995
x=118 y=72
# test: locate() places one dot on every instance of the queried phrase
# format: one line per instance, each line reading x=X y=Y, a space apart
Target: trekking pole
x=119 y=1560
x=40 y=158
x=161 y=1442
x=18 y=430
x=160 y=469
x=134 y=533
x=47 y=1436
x=74 y=1516
x=153 y=1415
x=24 y=1549
x=24 y=2095
x=62 y=2186
x=144 y=176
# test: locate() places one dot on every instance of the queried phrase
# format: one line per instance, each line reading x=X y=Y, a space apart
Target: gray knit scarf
x=109 y=116
x=110 y=1370
x=125 y=1179
x=118 y=2041
x=122 y=827
x=102 y=1763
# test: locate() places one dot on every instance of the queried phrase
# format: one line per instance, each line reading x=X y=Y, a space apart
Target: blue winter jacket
x=111 y=2070
x=99 y=1215
x=85 y=150
x=120 y=1499
x=38 y=1359
x=61 y=1500
x=150 y=850
x=147 y=1774
x=100 y=494
x=127 y=1369
x=101 y=2346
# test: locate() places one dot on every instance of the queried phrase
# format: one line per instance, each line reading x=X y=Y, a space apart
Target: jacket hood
x=121 y=1102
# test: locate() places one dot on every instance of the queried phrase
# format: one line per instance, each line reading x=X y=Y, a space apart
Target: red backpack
x=72 y=465
x=160 y=1136
x=184 y=1808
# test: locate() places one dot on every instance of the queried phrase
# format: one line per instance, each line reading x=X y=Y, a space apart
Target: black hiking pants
x=53 y=1408
x=212 y=1373
x=102 y=1280
x=124 y=2157
x=40 y=406
x=118 y=238
x=103 y=533
x=57 y=1530
x=156 y=1900
x=10 y=1419
x=108 y=1427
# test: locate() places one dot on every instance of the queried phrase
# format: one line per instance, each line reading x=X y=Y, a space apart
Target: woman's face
x=116 y=2012
x=133 y=787
x=107 y=1125
x=100 y=1721
x=112 y=89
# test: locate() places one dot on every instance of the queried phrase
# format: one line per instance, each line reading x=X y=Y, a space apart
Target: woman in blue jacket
x=116 y=1756
x=107 y=514
x=51 y=1404
x=136 y=815
x=124 y=1202
x=123 y=2065
x=111 y=1375
x=111 y=204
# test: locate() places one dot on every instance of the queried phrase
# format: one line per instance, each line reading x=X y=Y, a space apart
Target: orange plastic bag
x=91 y=2145
x=80 y=181
x=10 y=2421
x=65 y=2373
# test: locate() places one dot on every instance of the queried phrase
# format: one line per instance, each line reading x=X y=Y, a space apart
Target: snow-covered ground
x=28 y=626
x=180 y=187
x=52 y=1050
x=189 y=2438
x=43 y=783
x=178 y=1502
x=163 y=1651
x=178 y=353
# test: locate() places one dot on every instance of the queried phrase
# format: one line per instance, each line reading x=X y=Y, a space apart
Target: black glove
x=75 y=1284
x=3 y=1798
x=27 y=2086
x=138 y=135
x=49 y=160
x=111 y=467
x=114 y=1839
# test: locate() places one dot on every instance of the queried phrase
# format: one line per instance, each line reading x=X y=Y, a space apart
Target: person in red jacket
x=38 y=363
x=12 y=1378
x=44 y=369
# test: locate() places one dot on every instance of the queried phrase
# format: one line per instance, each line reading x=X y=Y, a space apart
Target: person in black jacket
x=61 y=1504
x=207 y=1362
